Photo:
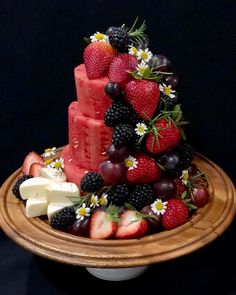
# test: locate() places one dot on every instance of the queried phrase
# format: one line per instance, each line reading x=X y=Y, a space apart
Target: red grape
x=116 y=154
x=200 y=196
x=112 y=173
x=81 y=227
x=172 y=80
x=154 y=222
x=161 y=62
x=165 y=188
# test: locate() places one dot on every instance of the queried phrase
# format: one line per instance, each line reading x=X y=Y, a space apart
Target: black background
x=41 y=43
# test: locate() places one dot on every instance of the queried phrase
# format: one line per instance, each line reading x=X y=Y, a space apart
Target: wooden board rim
x=205 y=226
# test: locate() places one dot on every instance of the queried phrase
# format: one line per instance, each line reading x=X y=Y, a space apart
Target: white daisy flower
x=99 y=37
x=185 y=177
x=131 y=163
x=49 y=163
x=82 y=212
x=141 y=68
x=159 y=207
x=140 y=129
x=103 y=200
x=58 y=164
x=144 y=55
x=167 y=90
x=49 y=152
x=133 y=50
x=94 y=201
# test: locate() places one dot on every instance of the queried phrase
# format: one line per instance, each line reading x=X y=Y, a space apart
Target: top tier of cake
x=92 y=100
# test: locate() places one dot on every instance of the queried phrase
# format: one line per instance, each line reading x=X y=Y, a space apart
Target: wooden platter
x=205 y=225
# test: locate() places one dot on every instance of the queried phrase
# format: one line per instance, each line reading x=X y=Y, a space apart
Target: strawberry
x=164 y=137
x=97 y=58
x=131 y=225
x=180 y=187
x=120 y=67
x=144 y=97
x=103 y=224
x=35 y=169
x=146 y=171
x=31 y=158
x=176 y=214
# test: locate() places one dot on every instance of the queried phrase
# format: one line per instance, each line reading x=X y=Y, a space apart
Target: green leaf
x=183 y=135
x=177 y=113
x=191 y=206
x=129 y=206
x=112 y=213
x=184 y=195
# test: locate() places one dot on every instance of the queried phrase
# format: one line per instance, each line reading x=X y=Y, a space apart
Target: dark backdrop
x=41 y=43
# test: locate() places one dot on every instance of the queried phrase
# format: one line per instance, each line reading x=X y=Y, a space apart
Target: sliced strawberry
x=31 y=158
x=102 y=226
x=97 y=58
x=131 y=226
x=35 y=169
x=120 y=67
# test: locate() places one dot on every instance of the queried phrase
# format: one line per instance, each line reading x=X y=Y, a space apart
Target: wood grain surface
x=205 y=225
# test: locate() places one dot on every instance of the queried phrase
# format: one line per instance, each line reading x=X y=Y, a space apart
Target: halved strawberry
x=31 y=158
x=97 y=58
x=120 y=67
x=103 y=224
x=35 y=169
x=131 y=226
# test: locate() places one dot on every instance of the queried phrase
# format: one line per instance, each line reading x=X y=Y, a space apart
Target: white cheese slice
x=36 y=207
x=59 y=192
x=54 y=207
x=53 y=174
x=35 y=187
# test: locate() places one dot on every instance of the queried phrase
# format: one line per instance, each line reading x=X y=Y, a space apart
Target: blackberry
x=16 y=187
x=118 y=194
x=91 y=182
x=141 y=196
x=185 y=153
x=63 y=218
x=122 y=134
x=117 y=113
x=167 y=103
x=134 y=119
x=137 y=145
x=119 y=38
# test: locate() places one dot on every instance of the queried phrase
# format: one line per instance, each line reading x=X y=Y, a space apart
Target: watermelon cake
x=127 y=170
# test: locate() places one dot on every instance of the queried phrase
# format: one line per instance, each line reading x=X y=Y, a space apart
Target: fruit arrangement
x=147 y=182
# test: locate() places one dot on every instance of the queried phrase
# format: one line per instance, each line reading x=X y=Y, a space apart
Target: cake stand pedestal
x=122 y=259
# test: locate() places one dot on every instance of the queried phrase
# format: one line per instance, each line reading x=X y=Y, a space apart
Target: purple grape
x=161 y=62
x=172 y=80
x=112 y=173
x=165 y=188
x=114 y=91
x=154 y=222
x=169 y=161
x=81 y=227
x=117 y=154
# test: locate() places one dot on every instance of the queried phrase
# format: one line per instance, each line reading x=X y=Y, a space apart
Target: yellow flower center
x=102 y=201
x=93 y=201
x=57 y=165
x=82 y=211
x=142 y=70
x=48 y=150
x=144 y=55
x=159 y=206
x=128 y=163
x=134 y=50
x=167 y=90
x=141 y=129
x=48 y=162
x=99 y=36
x=185 y=176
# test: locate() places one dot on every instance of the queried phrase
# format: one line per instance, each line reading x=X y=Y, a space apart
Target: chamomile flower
x=159 y=207
x=144 y=55
x=94 y=201
x=131 y=163
x=133 y=50
x=58 y=164
x=140 y=129
x=185 y=177
x=141 y=68
x=99 y=37
x=82 y=212
x=103 y=200
x=49 y=163
x=167 y=90
x=49 y=152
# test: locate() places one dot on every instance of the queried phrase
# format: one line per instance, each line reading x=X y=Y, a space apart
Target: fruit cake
x=127 y=170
